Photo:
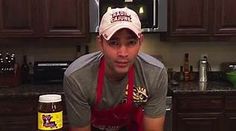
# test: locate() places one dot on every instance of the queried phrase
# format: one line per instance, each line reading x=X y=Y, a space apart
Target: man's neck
x=114 y=77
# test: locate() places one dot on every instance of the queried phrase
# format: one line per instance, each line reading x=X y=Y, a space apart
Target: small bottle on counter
x=181 y=74
x=191 y=73
x=203 y=70
x=186 y=67
x=50 y=113
x=78 y=51
x=25 y=70
x=86 y=49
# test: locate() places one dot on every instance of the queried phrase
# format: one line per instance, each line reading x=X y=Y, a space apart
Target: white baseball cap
x=118 y=18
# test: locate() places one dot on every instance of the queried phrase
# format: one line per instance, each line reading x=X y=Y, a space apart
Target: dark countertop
x=211 y=87
x=29 y=89
x=182 y=88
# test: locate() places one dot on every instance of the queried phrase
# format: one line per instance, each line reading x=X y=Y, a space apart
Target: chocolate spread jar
x=50 y=113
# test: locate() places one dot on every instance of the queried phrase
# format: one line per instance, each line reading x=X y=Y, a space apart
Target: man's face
x=120 y=51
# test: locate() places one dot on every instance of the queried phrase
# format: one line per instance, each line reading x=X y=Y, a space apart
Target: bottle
x=191 y=73
x=86 y=49
x=31 y=72
x=50 y=113
x=78 y=51
x=186 y=67
x=25 y=70
x=203 y=70
x=181 y=74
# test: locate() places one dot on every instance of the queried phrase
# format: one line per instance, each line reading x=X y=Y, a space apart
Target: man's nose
x=123 y=51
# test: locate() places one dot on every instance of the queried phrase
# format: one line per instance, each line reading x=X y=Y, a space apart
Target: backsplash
x=172 y=53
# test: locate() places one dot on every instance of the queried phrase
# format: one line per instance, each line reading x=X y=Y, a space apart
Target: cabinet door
x=65 y=18
x=225 y=17
x=18 y=123
x=230 y=120
x=189 y=17
x=230 y=115
x=199 y=122
x=17 y=18
x=18 y=113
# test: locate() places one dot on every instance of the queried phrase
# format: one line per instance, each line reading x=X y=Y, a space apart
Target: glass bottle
x=186 y=67
x=181 y=74
x=191 y=73
x=50 y=113
x=203 y=70
x=25 y=70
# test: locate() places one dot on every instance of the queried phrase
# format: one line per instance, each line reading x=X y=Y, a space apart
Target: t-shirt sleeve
x=77 y=106
x=156 y=104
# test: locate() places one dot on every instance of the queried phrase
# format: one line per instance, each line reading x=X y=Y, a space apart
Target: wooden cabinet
x=198 y=113
x=19 y=113
x=230 y=113
x=204 y=112
x=18 y=18
x=230 y=120
x=199 y=122
x=202 y=18
x=44 y=18
x=65 y=18
x=189 y=17
x=225 y=17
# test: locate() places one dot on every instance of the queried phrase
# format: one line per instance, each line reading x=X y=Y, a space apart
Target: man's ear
x=99 y=42
x=141 y=38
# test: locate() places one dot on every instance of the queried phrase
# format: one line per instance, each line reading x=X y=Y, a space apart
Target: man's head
x=116 y=19
x=120 y=40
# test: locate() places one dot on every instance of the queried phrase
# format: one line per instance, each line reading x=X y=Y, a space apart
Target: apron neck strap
x=100 y=83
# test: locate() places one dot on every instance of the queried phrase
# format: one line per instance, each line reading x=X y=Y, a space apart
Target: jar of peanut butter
x=50 y=113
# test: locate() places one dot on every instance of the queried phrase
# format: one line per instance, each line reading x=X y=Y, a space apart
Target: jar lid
x=48 y=98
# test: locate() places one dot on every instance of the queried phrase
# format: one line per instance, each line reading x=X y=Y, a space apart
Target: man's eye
x=113 y=43
x=132 y=42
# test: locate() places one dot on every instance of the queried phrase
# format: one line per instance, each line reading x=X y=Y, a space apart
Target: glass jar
x=50 y=113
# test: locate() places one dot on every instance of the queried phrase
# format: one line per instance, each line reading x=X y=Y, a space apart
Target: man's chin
x=123 y=70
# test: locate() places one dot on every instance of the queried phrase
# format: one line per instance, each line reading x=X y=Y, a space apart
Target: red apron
x=122 y=115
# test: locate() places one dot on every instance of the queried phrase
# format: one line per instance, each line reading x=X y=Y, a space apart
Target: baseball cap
x=118 y=18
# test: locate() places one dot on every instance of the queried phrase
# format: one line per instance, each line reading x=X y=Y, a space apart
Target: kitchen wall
x=172 y=53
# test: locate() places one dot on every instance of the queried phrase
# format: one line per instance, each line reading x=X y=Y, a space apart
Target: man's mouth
x=121 y=64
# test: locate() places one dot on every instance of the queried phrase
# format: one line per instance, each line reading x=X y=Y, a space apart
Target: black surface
x=214 y=87
x=181 y=87
x=30 y=89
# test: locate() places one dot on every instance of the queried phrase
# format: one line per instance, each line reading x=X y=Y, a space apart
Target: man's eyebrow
x=114 y=38
x=132 y=37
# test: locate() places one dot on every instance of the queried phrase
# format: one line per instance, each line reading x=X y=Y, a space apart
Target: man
x=117 y=88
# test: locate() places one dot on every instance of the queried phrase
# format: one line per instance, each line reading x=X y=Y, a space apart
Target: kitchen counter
x=203 y=107
x=190 y=100
x=181 y=88
x=211 y=87
x=29 y=89
x=19 y=104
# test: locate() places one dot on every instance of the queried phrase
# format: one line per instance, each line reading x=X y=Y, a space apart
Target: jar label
x=50 y=121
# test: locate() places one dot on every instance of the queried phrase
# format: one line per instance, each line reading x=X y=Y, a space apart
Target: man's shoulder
x=148 y=59
x=83 y=61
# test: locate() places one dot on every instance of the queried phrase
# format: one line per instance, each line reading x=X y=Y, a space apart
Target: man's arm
x=86 y=128
x=154 y=124
x=154 y=116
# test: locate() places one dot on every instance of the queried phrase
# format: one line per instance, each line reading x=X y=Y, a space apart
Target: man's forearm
x=154 y=124
x=87 y=128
